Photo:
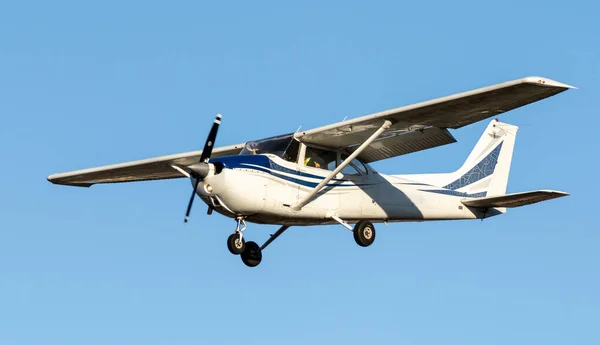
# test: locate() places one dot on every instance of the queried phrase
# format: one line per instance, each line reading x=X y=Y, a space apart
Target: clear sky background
x=86 y=84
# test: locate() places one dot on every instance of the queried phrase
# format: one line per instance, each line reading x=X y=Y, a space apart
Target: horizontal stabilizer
x=515 y=199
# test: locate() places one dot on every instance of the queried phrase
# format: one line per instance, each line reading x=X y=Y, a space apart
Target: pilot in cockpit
x=311 y=162
x=313 y=159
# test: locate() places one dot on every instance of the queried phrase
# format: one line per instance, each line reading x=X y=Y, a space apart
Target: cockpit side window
x=355 y=167
x=318 y=158
x=291 y=153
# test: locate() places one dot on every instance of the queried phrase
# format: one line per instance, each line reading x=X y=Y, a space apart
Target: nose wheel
x=235 y=242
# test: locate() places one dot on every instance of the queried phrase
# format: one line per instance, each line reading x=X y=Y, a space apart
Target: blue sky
x=83 y=85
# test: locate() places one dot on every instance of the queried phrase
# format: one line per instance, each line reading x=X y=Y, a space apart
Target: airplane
x=323 y=176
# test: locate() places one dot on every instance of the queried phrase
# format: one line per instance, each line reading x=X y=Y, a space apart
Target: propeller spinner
x=200 y=170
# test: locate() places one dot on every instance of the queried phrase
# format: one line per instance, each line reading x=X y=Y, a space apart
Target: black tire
x=364 y=233
x=233 y=244
x=252 y=255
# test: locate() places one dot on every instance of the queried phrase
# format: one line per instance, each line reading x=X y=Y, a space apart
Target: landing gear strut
x=364 y=233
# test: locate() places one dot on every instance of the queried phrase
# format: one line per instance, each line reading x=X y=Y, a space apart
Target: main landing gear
x=364 y=233
x=249 y=252
x=252 y=254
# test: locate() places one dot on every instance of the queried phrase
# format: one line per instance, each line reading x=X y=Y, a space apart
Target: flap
x=405 y=143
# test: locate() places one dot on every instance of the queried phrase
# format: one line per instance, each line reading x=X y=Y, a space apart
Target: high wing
x=423 y=125
x=142 y=170
x=413 y=128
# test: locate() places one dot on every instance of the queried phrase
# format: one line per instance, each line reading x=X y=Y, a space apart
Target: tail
x=485 y=172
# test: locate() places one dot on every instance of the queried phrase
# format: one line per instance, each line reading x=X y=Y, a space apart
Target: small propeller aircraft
x=323 y=176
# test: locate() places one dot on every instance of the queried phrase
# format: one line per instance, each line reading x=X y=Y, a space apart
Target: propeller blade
x=210 y=140
x=189 y=208
x=200 y=170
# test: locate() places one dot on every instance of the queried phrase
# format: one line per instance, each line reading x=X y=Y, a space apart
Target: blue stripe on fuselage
x=264 y=164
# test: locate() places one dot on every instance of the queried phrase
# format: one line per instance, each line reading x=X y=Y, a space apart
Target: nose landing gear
x=249 y=252
x=235 y=242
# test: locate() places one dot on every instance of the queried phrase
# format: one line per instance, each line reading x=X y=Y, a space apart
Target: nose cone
x=200 y=169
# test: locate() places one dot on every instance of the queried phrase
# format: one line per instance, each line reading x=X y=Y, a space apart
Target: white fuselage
x=263 y=187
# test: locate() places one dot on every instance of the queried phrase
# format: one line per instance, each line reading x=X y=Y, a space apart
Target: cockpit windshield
x=284 y=146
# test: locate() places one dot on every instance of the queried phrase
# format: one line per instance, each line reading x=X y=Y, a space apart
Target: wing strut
x=297 y=206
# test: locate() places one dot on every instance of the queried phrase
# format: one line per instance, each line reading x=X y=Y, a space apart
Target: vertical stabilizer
x=485 y=172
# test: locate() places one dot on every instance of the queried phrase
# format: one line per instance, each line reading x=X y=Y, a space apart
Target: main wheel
x=364 y=233
x=235 y=245
x=252 y=255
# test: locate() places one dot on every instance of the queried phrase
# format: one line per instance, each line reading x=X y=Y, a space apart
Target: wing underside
x=405 y=144
x=453 y=111
x=142 y=170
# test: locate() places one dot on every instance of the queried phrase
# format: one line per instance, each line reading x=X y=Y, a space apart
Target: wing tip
x=546 y=82
x=55 y=179
x=557 y=192
x=52 y=178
